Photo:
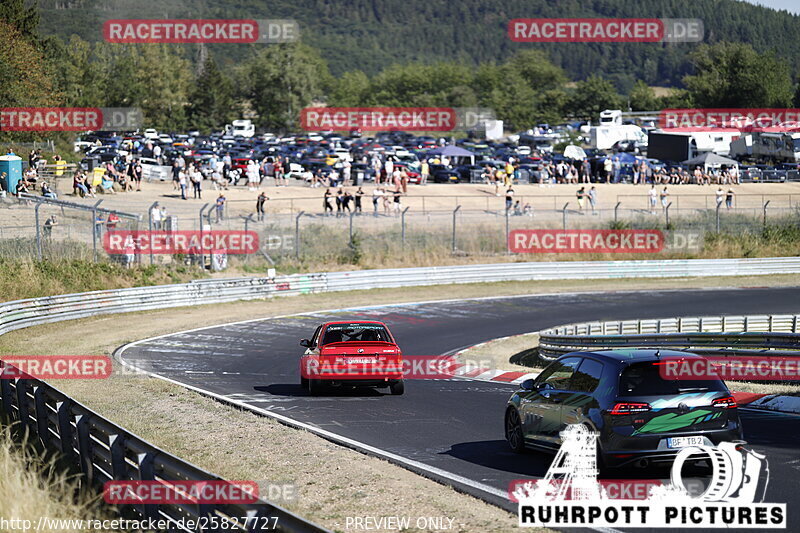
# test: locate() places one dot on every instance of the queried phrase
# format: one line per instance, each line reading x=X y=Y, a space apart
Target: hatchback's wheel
x=314 y=386
x=514 y=435
x=397 y=388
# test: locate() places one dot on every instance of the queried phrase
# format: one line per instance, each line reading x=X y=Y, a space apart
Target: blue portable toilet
x=10 y=172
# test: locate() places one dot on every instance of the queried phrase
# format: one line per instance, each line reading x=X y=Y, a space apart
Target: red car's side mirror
x=305 y=343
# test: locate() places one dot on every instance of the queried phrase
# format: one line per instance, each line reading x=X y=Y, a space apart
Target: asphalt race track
x=456 y=425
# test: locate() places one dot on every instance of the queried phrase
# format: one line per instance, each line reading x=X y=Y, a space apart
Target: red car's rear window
x=356 y=333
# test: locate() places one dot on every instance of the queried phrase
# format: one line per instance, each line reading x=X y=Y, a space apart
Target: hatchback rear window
x=355 y=333
x=644 y=379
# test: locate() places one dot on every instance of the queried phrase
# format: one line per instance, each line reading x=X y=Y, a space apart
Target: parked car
x=443 y=174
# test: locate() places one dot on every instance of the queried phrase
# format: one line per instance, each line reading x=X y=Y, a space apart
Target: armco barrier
x=777 y=334
x=104 y=451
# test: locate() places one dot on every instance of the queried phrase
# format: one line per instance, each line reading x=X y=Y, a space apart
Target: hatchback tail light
x=728 y=402
x=629 y=408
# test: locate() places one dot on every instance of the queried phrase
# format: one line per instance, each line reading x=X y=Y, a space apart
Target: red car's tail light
x=728 y=402
x=627 y=408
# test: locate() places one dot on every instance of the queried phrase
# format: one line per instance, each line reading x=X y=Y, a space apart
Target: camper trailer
x=611 y=130
x=241 y=128
x=767 y=146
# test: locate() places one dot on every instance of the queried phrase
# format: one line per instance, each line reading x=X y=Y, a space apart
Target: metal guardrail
x=777 y=334
x=103 y=451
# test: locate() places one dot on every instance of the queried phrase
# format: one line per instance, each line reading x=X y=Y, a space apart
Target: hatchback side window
x=587 y=377
x=315 y=338
x=558 y=374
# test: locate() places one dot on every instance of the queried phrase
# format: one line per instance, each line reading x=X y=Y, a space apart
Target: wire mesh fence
x=53 y=229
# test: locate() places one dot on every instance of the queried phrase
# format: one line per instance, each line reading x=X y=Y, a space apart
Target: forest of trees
x=193 y=86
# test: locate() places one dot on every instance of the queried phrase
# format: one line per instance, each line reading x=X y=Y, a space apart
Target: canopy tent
x=710 y=160
x=575 y=153
x=451 y=152
x=625 y=158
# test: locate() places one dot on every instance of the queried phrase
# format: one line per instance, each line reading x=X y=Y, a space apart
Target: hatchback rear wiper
x=687 y=389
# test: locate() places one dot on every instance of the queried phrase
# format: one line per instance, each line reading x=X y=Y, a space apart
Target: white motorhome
x=768 y=146
x=611 y=130
x=241 y=128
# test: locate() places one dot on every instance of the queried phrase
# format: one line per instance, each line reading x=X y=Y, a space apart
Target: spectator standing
x=509 y=198
x=729 y=198
x=377 y=193
x=220 y=207
x=357 y=198
x=197 y=180
x=608 y=168
x=182 y=183
x=720 y=196
x=425 y=170
x=326 y=201
x=592 y=195
x=260 y=205
x=652 y=195
x=664 y=197
x=397 y=203
x=155 y=216
x=581 y=196
x=48 y=226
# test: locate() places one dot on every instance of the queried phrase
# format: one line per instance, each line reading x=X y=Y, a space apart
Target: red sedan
x=356 y=354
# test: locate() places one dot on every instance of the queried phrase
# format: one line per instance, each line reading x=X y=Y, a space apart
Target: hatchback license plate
x=683 y=442
x=361 y=360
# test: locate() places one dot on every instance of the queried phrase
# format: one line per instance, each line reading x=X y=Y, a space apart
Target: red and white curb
x=767 y=402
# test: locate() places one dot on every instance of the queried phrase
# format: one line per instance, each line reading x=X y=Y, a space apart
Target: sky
x=792 y=6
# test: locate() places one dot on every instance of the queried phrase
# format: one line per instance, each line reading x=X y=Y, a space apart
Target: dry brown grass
x=31 y=487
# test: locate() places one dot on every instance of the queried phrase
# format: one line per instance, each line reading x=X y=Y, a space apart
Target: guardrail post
x=22 y=402
x=150 y=225
x=455 y=212
x=116 y=446
x=41 y=414
x=297 y=234
x=403 y=226
x=84 y=446
x=65 y=428
x=666 y=214
x=146 y=472
x=564 y=215
x=616 y=211
x=38 y=231
x=94 y=232
x=5 y=396
x=765 y=215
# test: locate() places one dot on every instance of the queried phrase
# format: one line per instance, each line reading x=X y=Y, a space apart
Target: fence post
x=38 y=230
x=564 y=215
x=403 y=226
x=616 y=209
x=666 y=214
x=718 y=206
x=350 y=230
x=455 y=211
x=202 y=255
x=297 y=234
x=765 y=214
x=94 y=232
x=508 y=247
x=150 y=226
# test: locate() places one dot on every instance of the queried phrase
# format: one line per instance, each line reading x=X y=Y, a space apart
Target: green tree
x=24 y=19
x=592 y=96
x=536 y=68
x=735 y=75
x=642 y=97
x=351 y=90
x=211 y=102
x=283 y=79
